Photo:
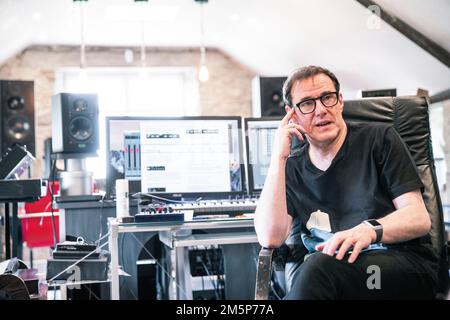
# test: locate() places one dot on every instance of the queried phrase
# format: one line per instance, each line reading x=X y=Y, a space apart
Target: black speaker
x=74 y=123
x=268 y=96
x=147 y=279
x=17 y=115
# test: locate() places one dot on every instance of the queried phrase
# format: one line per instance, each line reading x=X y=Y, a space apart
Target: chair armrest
x=263 y=274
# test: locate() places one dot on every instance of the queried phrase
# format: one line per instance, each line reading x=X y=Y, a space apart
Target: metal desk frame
x=177 y=236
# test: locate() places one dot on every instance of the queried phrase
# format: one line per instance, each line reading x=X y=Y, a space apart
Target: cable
x=162 y=268
x=216 y=292
x=210 y=278
x=149 y=195
x=52 y=179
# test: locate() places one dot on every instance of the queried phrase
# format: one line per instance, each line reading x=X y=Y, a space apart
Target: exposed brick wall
x=228 y=91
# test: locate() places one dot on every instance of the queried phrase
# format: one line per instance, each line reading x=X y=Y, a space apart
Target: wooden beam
x=440 y=96
x=412 y=34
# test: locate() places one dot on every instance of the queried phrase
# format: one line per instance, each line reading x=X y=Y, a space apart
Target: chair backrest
x=409 y=117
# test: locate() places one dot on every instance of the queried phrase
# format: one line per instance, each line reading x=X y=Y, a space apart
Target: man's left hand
x=357 y=238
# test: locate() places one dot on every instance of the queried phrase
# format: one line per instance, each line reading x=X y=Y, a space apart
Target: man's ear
x=341 y=100
x=287 y=108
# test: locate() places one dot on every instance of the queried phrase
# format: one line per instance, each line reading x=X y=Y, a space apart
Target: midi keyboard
x=198 y=209
x=230 y=207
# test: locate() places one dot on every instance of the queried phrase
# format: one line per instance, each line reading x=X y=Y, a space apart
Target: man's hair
x=302 y=74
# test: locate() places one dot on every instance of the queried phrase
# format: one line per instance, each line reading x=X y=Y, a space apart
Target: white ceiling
x=269 y=36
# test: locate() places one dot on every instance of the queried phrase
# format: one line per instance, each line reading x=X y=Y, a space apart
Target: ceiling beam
x=440 y=96
x=412 y=34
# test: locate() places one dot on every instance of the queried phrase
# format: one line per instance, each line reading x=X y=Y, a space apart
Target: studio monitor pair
x=75 y=123
x=16 y=115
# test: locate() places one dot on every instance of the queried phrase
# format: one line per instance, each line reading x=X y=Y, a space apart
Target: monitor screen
x=187 y=157
x=259 y=138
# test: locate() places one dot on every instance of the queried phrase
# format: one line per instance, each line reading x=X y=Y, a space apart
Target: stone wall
x=228 y=91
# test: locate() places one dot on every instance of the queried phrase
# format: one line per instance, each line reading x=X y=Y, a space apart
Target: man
x=357 y=194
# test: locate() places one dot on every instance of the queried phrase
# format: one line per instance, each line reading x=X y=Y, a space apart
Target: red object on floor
x=36 y=219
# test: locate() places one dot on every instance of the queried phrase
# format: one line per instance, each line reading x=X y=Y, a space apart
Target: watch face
x=373 y=223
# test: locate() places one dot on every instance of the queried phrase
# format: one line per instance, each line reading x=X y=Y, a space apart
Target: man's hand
x=283 y=135
x=357 y=238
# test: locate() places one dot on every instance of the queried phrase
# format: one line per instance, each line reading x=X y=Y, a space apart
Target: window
x=438 y=137
x=132 y=92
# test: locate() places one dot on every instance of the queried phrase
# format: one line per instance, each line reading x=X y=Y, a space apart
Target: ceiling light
x=82 y=44
x=129 y=56
x=203 y=72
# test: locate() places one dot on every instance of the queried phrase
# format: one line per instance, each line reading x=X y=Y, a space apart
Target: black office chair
x=409 y=116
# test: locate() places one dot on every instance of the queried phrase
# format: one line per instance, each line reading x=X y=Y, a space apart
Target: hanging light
x=82 y=73
x=203 y=72
x=143 y=71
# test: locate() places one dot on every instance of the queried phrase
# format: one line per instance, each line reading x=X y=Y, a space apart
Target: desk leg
x=16 y=233
x=63 y=292
x=7 y=232
x=183 y=274
x=114 y=266
x=62 y=225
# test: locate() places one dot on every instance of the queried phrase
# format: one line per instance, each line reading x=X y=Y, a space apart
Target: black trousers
x=377 y=274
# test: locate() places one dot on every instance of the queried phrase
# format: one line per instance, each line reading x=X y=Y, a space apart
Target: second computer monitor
x=260 y=133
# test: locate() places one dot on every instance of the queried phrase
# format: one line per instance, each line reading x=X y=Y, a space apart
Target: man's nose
x=320 y=108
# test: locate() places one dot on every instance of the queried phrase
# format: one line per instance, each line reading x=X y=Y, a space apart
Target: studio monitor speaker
x=17 y=115
x=267 y=97
x=75 y=123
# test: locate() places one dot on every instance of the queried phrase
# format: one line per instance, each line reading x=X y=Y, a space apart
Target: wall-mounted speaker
x=74 y=123
x=17 y=115
x=267 y=96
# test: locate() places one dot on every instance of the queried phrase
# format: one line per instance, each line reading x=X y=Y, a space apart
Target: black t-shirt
x=372 y=167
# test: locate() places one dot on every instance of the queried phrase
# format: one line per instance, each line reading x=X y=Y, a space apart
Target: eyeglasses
x=328 y=100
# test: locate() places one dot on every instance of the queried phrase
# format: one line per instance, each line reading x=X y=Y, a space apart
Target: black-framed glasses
x=328 y=100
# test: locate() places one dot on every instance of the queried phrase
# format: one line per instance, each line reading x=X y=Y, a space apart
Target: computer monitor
x=176 y=158
x=258 y=142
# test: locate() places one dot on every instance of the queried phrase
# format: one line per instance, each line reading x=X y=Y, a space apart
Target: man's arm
x=272 y=222
x=410 y=220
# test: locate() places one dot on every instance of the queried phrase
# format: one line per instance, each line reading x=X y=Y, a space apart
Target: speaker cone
x=277 y=99
x=81 y=128
x=18 y=128
x=16 y=103
x=80 y=105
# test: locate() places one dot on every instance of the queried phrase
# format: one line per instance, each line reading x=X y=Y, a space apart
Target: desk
x=178 y=235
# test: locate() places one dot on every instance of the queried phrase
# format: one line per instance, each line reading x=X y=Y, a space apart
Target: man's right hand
x=283 y=135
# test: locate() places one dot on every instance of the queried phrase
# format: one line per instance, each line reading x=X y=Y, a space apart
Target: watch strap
x=377 y=227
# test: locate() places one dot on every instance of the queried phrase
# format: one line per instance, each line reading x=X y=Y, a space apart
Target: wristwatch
x=375 y=225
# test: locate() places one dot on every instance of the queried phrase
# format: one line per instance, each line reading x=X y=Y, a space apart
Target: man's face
x=324 y=124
